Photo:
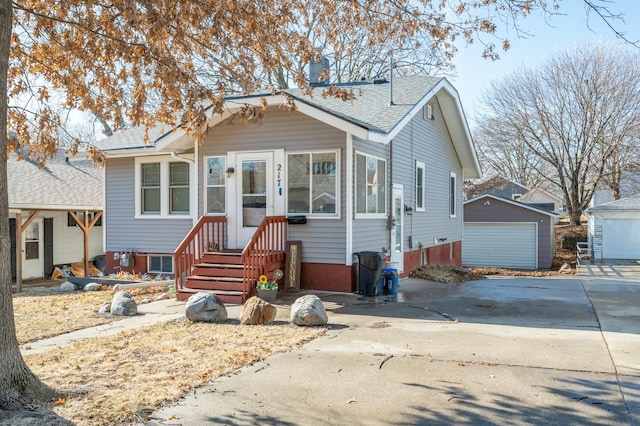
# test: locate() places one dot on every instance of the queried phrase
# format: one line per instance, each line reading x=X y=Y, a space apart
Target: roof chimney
x=316 y=68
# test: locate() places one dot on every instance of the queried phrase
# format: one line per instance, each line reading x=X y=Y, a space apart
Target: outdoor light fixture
x=408 y=210
x=230 y=171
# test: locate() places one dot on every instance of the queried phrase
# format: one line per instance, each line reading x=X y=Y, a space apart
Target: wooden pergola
x=84 y=224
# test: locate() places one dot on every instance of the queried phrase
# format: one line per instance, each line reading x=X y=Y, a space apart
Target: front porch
x=203 y=263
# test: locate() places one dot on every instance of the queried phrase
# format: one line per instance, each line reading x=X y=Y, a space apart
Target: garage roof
x=624 y=204
x=512 y=202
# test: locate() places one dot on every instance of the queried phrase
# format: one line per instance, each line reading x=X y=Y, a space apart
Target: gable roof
x=497 y=182
x=544 y=192
x=370 y=116
x=512 y=202
x=623 y=204
x=61 y=185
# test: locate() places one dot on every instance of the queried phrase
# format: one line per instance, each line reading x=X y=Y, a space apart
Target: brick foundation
x=113 y=266
x=328 y=277
x=443 y=254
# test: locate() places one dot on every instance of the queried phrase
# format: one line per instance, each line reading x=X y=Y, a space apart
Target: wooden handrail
x=208 y=234
x=265 y=247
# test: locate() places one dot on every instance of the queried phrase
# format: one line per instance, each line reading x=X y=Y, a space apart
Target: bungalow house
x=380 y=173
x=496 y=185
x=55 y=214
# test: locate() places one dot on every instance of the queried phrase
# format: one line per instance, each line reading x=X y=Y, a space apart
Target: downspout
x=349 y=199
x=390 y=219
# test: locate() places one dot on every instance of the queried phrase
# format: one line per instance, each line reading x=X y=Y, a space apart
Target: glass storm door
x=254 y=193
x=33 y=250
x=397 y=249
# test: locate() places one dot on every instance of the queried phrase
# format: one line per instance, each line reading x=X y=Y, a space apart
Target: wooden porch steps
x=219 y=273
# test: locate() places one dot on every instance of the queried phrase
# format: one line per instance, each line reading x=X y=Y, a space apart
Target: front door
x=254 y=193
x=33 y=250
x=397 y=246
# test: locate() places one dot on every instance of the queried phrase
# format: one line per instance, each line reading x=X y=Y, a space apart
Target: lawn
x=47 y=313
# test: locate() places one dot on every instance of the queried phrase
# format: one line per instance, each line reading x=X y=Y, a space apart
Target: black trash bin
x=369 y=271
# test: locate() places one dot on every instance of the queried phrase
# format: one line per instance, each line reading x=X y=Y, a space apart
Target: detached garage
x=504 y=233
x=614 y=229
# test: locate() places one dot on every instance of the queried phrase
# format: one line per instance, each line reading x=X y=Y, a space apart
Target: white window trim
x=164 y=161
x=421 y=165
x=336 y=214
x=149 y=270
x=205 y=206
x=355 y=185
x=453 y=202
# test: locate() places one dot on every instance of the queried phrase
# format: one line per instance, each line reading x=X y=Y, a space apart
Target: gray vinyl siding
x=371 y=234
x=428 y=141
x=497 y=211
x=124 y=232
x=324 y=240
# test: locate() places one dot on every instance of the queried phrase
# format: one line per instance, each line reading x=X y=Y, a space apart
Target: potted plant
x=268 y=290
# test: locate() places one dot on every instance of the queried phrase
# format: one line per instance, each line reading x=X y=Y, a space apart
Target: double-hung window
x=216 y=180
x=371 y=183
x=420 y=188
x=163 y=187
x=312 y=183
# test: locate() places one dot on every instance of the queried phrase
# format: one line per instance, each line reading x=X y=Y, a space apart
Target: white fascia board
x=58 y=207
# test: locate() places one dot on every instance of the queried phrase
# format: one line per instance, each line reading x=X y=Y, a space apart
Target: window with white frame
x=216 y=181
x=163 y=187
x=160 y=264
x=312 y=183
x=150 y=188
x=420 y=188
x=452 y=194
x=178 y=188
x=371 y=183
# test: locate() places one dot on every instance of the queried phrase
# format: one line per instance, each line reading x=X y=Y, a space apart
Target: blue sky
x=475 y=73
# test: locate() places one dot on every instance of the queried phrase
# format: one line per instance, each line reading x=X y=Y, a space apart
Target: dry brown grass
x=48 y=313
x=125 y=378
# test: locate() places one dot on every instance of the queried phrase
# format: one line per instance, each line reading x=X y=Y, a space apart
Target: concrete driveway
x=552 y=351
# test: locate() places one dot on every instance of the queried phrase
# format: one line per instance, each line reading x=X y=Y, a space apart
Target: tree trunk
x=20 y=387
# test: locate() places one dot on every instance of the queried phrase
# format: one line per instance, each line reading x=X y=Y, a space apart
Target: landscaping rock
x=105 y=308
x=67 y=287
x=206 y=307
x=123 y=304
x=144 y=301
x=161 y=297
x=92 y=287
x=256 y=311
x=308 y=310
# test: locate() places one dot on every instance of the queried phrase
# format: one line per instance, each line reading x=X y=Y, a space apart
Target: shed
x=504 y=233
x=614 y=229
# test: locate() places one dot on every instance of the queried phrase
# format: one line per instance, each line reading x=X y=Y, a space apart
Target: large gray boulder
x=256 y=311
x=123 y=304
x=205 y=307
x=308 y=310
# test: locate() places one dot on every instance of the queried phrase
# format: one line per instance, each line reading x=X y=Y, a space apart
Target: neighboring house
x=382 y=173
x=539 y=198
x=506 y=188
x=43 y=206
x=504 y=233
x=614 y=229
x=498 y=186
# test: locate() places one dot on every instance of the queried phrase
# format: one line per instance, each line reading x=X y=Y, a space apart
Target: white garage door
x=505 y=245
x=621 y=239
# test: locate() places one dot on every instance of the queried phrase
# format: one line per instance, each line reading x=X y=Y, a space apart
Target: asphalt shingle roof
x=371 y=109
x=624 y=204
x=76 y=183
